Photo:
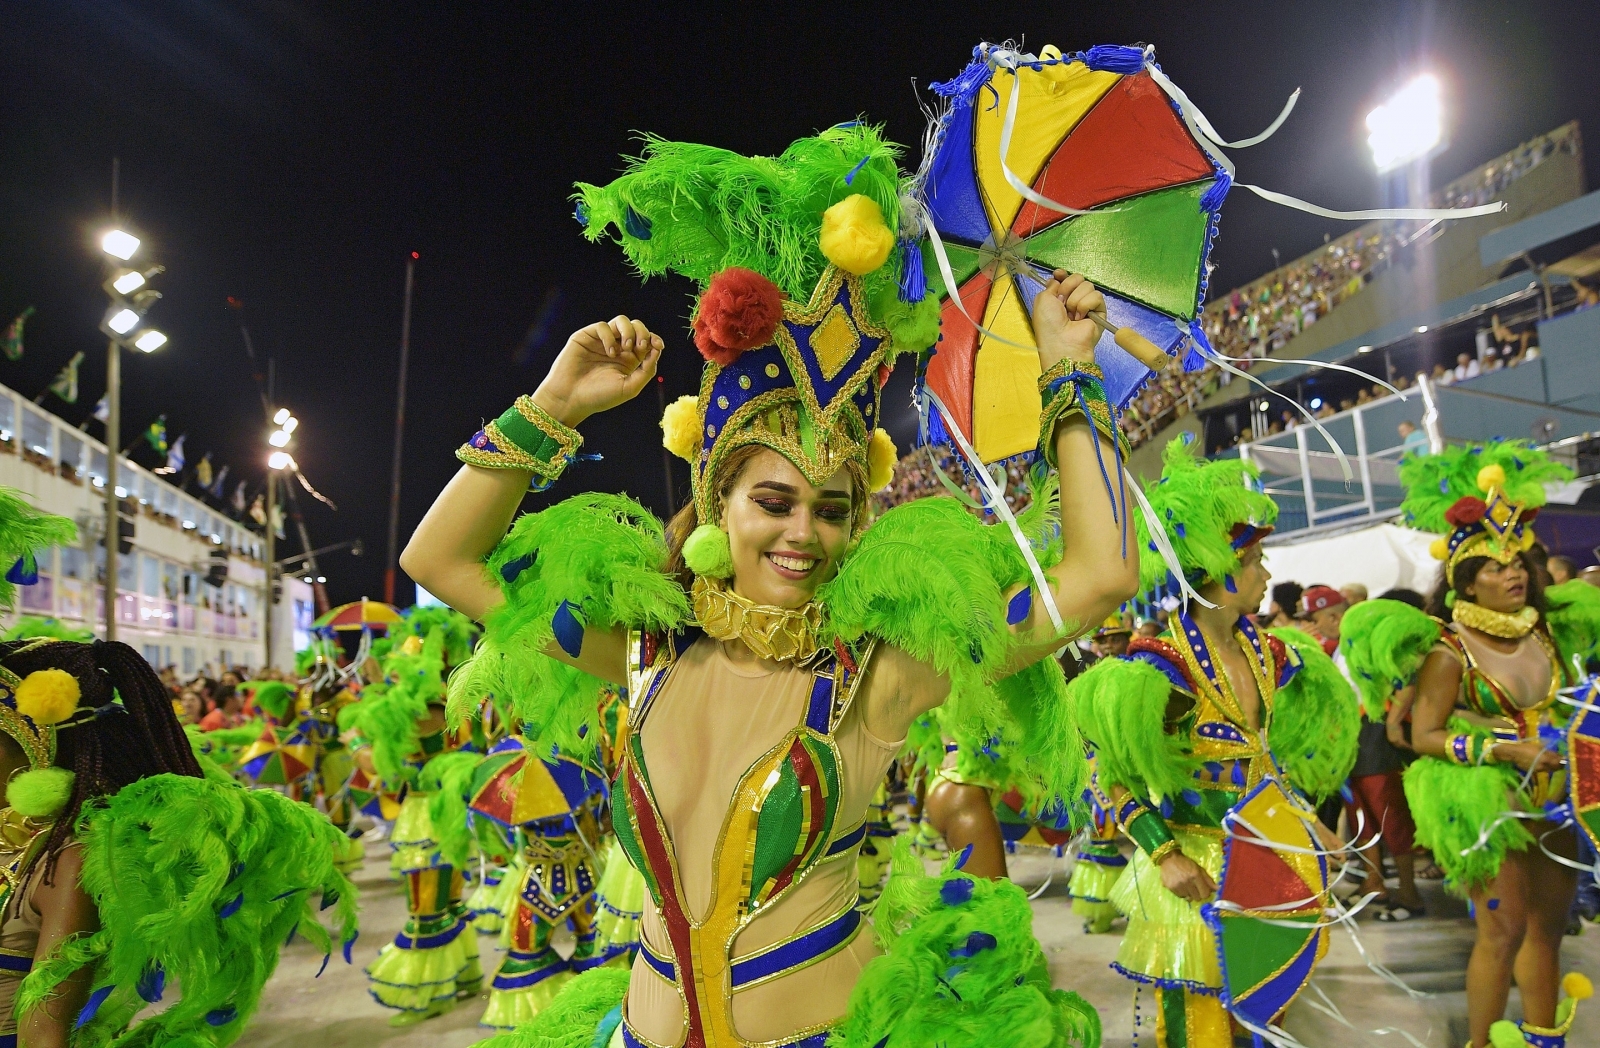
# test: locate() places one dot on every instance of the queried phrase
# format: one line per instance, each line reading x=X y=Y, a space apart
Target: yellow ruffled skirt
x=1167 y=943
x=619 y=903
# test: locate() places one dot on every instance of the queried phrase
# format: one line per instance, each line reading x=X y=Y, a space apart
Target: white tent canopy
x=1380 y=557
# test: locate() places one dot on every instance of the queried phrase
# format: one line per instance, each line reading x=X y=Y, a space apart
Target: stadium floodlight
x=123 y=321
x=128 y=282
x=281 y=417
x=119 y=244
x=279 y=460
x=1409 y=126
x=150 y=341
x=279 y=438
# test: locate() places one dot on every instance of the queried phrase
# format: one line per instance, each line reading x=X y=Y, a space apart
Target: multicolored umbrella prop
x=512 y=790
x=362 y=614
x=1583 y=759
x=1267 y=916
x=281 y=755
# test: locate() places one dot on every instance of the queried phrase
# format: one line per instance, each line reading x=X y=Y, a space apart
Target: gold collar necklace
x=781 y=634
x=1508 y=626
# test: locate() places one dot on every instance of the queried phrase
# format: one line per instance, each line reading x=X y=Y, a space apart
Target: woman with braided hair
x=111 y=827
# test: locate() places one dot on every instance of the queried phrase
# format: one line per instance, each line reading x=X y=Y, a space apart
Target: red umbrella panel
x=1142 y=199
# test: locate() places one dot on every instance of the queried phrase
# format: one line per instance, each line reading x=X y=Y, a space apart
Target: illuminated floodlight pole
x=277 y=461
x=1408 y=127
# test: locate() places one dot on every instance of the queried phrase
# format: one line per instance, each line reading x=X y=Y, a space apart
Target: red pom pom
x=1466 y=511
x=884 y=371
x=739 y=310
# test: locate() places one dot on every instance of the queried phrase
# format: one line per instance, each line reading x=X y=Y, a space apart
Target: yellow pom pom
x=1505 y=1034
x=1440 y=547
x=680 y=428
x=854 y=235
x=48 y=696
x=1490 y=477
x=881 y=457
x=1577 y=986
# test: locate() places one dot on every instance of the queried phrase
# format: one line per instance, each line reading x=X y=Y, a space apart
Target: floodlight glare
x=278 y=460
x=119 y=244
x=1409 y=126
x=132 y=280
x=125 y=321
x=289 y=424
x=279 y=438
x=150 y=341
x=281 y=417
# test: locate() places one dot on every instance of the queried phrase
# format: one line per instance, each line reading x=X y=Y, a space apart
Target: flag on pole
x=102 y=410
x=65 y=385
x=156 y=435
x=238 y=498
x=215 y=489
x=202 y=472
x=258 y=509
x=174 y=458
x=11 y=340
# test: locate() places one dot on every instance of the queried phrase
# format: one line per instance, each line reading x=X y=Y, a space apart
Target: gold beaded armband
x=1073 y=387
x=1469 y=750
x=525 y=437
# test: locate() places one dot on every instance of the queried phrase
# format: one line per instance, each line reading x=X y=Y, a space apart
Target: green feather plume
x=1384 y=643
x=1452 y=803
x=1121 y=707
x=574 y=1017
x=306 y=657
x=1572 y=611
x=387 y=715
x=961 y=962
x=449 y=778
x=24 y=531
x=1198 y=503
x=459 y=632
x=28 y=627
x=1316 y=720
x=164 y=859
x=1434 y=483
x=601 y=555
x=273 y=697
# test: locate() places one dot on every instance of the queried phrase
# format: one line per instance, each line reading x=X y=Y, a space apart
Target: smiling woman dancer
x=765 y=718
x=1493 y=655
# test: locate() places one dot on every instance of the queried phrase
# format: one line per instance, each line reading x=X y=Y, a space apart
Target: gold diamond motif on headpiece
x=834 y=342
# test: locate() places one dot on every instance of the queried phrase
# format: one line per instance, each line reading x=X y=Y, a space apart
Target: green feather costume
x=24 y=531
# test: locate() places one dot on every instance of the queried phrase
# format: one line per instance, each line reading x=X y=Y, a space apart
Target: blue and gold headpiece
x=801 y=310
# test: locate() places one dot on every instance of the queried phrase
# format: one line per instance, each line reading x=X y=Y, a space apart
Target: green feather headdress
x=388 y=713
x=1211 y=510
x=30 y=626
x=459 y=632
x=23 y=532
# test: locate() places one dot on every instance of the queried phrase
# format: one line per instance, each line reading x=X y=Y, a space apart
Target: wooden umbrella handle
x=1133 y=343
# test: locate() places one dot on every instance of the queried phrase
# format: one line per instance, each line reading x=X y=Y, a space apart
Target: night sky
x=293 y=155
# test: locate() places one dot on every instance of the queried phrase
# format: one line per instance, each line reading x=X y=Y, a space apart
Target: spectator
x=1466 y=367
x=1353 y=593
x=190 y=707
x=1412 y=438
x=1285 y=599
x=229 y=712
x=1325 y=608
x=1561 y=569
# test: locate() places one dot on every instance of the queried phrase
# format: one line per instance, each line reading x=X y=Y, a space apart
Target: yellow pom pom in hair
x=854 y=235
x=680 y=428
x=48 y=696
x=1577 y=986
x=1490 y=477
x=881 y=457
x=1440 y=547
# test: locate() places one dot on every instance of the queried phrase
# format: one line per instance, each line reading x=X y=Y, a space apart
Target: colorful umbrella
x=512 y=790
x=1583 y=762
x=363 y=614
x=1270 y=899
x=281 y=755
x=1112 y=185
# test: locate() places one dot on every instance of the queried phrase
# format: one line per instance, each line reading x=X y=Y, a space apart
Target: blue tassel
x=854 y=171
x=1228 y=584
x=1213 y=197
x=152 y=983
x=232 y=907
x=568 y=630
x=957 y=890
x=636 y=225
x=349 y=944
x=913 y=281
x=328 y=899
x=1018 y=609
x=512 y=568
x=1180 y=529
x=25 y=572
x=284 y=895
x=580 y=213
x=1114 y=58
x=976 y=943
x=1191 y=797
x=290 y=939
x=222 y=1016
x=1238 y=774
x=324 y=966
x=961 y=90
x=92 y=1005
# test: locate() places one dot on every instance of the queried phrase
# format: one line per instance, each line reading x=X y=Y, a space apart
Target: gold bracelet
x=1162 y=852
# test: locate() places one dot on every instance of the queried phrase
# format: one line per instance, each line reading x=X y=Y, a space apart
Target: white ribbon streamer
x=1424 y=214
x=1318 y=365
x=1009 y=60
x=1158 y=535
x=1328 y=1008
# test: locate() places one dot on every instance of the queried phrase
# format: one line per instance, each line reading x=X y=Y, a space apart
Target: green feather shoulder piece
x=1121 y=708
x=1316 y=719
x=30 y=626
x=199 y=883
x=388 y=714
x=596 y=559
x=459 y=631
x=23 y=532
x=1384 y=643
x=1572 y=610
x=448 y=777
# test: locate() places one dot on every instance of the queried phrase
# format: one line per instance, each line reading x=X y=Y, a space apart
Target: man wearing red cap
x=1326 y=607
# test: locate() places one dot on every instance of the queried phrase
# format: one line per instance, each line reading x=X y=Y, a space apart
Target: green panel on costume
x=963 y=263
x=1175 y=1017
x=1214 y=804
x=777 y=827
x=1253 y=950
x=1147 y=248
